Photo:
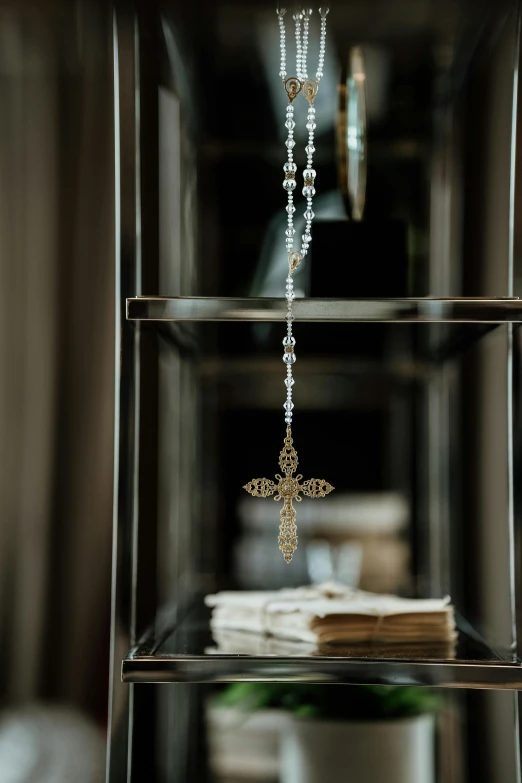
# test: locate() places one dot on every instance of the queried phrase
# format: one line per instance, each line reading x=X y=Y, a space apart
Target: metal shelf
x=421 y=310
x=188 y=654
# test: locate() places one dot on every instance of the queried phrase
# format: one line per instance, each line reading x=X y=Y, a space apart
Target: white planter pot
x=399 y=751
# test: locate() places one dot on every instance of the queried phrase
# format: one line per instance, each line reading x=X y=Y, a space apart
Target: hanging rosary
x=289 y=486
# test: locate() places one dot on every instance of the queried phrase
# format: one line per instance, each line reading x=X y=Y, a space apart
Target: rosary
x=289 y=486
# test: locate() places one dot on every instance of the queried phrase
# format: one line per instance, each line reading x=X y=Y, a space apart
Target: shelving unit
x=184 y=653
x=442 y=376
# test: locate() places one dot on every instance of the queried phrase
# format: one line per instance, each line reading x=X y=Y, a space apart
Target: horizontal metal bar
x=423 y=310
x=188 y=654
x=353 y=671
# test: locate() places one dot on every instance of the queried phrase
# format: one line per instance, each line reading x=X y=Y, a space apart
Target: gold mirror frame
x=352 y=143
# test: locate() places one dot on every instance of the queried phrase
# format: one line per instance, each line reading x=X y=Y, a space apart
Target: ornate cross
x=288 y=488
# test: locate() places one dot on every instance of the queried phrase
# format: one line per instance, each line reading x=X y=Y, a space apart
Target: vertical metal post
x=127 y=336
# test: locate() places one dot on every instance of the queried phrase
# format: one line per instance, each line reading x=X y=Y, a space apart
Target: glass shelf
x=190 y=653
x=421 y=310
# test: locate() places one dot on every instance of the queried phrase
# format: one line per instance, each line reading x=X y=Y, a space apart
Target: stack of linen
x=334 y=614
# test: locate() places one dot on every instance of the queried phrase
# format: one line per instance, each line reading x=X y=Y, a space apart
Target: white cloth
x=332 y=613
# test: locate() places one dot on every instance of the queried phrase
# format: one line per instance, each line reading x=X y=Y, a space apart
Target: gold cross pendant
x=288 y=488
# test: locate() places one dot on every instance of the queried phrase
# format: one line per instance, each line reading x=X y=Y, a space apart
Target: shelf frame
x=407 y=310
x=138 y=668
x=164 y=657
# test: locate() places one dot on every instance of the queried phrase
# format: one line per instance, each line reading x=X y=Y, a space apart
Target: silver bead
x=289 y=358
x=308 y=190
x=309 y=174
x=288 y=340
x=289 y=184
x=289 y=166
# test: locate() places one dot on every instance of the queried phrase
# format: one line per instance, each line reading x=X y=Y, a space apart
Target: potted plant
x=348 y=734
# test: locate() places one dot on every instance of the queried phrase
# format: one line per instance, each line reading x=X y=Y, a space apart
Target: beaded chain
x=309 y=87
x=289 y=487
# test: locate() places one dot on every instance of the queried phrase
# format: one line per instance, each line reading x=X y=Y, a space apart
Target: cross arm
x=260 y=487
x=316 y=488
